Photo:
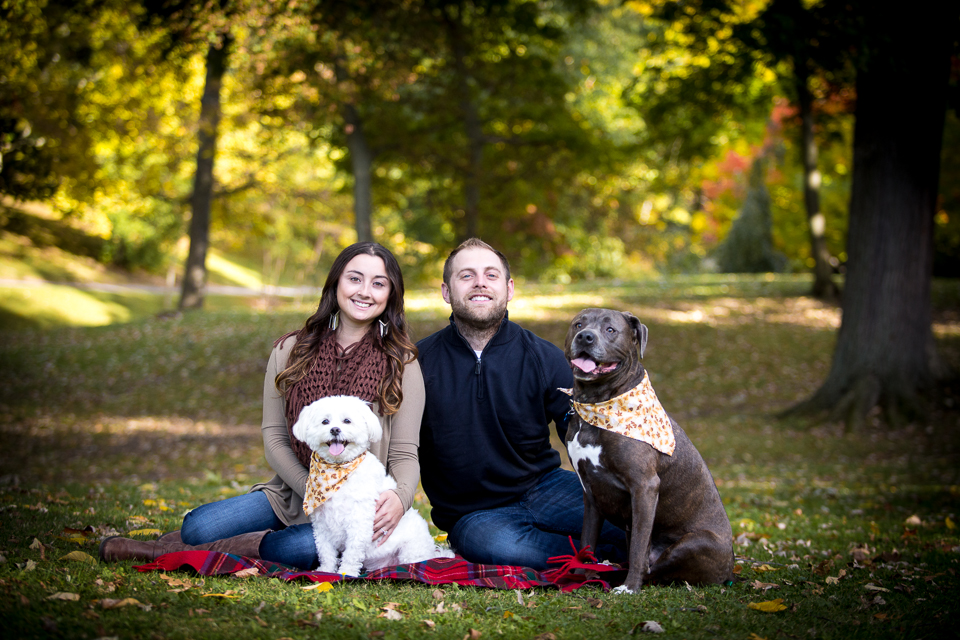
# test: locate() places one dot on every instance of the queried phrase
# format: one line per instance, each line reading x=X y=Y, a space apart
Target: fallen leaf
x=832 y=580
x=764 y=586
x=64 y=595
x=872 y=587
x=29 y=566
x=437 y=594
x=507 y=614
x=303 y=622
x=439 y=608
x=429 y=624
x=319 y=586
x=950 y=524
x=116 y=603
x=880 y=616
x=594 y=602
x=260 y=622
x=391 y=614
x=771 y=606
x=545 y=636
x=754 y=636
x=228 y=594
x=519 y=597
x=913 y=521
x=765 y=567
x=79 y=556
x=737 y=569
x=249 y=572
x=651 y=626
x=143 y=533
x=472 y=635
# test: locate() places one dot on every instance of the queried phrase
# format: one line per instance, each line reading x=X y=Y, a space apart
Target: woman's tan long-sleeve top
x=397 y=450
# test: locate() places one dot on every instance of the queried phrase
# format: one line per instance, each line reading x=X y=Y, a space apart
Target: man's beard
x=477 y=319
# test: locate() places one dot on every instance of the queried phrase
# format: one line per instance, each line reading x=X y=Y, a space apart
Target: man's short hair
x=473 y=243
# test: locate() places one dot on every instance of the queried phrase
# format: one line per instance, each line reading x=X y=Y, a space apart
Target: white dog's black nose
x=335 y=431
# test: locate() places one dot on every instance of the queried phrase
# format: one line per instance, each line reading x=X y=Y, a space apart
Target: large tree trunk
x=823 y=285
x=473 y=127
x=885 y=351
x=195 y=275
x=361 y=161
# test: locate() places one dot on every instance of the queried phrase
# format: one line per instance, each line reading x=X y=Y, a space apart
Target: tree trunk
x=473 y=127
x=195 y=273
x=361 y=161
x=823 y=285
x=885 y=353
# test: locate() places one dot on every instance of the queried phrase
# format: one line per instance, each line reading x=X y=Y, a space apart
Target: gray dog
x=637 y=466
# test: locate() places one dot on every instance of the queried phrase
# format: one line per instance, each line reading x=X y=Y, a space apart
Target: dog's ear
x=373 y=423
x=639 y=331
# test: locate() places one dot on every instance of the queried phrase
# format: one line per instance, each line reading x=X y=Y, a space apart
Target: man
x=494 y=481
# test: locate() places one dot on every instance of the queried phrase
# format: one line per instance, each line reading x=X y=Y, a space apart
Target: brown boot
x=115 y=548
x=170 y=537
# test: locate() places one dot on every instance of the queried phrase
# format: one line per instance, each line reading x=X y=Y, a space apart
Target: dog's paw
x=349 y=570
x=328 y=567
x=621 y=589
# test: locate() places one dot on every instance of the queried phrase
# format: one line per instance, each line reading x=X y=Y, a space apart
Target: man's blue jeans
x=534 y=528
x=251 y=512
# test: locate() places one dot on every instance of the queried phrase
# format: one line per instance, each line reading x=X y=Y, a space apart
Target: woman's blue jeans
x=534 y=528
x=247 y=513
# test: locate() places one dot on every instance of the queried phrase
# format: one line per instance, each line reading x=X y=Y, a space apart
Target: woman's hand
x=388 y=514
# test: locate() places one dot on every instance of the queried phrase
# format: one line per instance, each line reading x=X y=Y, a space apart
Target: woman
x=355 y=344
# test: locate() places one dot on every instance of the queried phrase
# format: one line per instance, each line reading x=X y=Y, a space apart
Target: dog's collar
x=325 y=479
x=635 y=414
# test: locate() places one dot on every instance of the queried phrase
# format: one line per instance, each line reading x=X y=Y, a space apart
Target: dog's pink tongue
x=336 y=448
x=584 y=364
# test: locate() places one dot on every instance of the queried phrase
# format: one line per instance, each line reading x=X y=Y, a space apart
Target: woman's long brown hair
x=396 y=343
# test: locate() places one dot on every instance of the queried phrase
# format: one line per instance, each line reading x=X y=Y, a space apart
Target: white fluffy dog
x=339 y=429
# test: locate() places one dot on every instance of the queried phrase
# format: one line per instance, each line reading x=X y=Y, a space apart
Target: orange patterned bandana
x=325 y=479
x=635 y=414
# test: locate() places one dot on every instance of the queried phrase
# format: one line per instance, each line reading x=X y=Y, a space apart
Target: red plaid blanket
x=436 y=571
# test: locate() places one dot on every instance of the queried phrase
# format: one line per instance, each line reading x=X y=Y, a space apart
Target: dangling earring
x=384 y=328
x=335 y=320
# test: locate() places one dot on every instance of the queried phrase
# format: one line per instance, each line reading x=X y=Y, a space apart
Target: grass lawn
x=123 y=428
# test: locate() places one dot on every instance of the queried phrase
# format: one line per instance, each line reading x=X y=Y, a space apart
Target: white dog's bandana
x=635 y=414
x=325 y=479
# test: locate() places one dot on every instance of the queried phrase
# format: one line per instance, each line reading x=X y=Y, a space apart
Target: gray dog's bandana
x=635 y=414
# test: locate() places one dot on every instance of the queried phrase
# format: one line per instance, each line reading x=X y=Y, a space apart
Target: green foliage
x=748 y=248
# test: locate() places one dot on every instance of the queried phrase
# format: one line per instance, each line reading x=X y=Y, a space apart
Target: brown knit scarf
x=357 y=372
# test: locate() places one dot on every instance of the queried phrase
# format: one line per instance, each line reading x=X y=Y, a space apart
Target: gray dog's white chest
x=580 y=452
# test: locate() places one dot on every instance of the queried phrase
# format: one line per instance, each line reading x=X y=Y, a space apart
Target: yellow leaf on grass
x=771 y=606
x=832 y=580
x=63 y=595
x=79 y=556
x=319 y=586
x=440 y=538
x=138 y=519
x=391 y=614
x=765 y=567
x=228 y=594
x=115 y=603
x=754 y=636
x=950 y=524
x=143 y=533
